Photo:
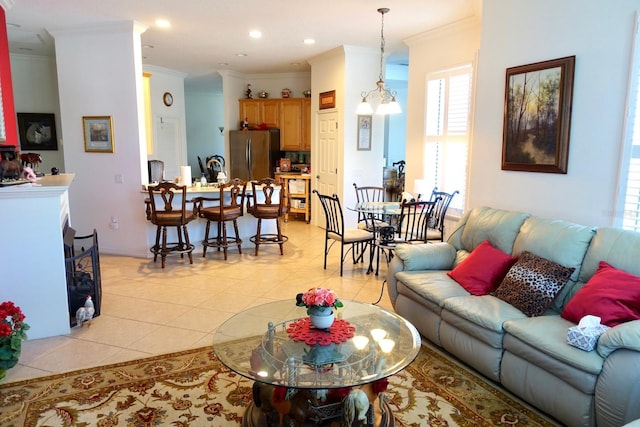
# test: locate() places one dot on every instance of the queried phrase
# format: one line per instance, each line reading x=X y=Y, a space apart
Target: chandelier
x=388 y=103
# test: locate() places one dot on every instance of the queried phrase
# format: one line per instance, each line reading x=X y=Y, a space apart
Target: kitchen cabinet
x=305 y=137
x=258 y=111
x=291 y=115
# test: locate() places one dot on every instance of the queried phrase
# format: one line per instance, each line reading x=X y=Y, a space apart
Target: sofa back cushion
x=499 y=227
x=620 y=248
x=559 y=241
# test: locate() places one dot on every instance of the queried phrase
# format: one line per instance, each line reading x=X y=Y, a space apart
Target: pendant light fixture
x=387 y=98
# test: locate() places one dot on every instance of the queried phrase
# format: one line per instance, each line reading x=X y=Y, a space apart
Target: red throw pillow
x=611 y=294
x=483 y=270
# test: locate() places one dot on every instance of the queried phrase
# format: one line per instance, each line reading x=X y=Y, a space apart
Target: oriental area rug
x=192 y=388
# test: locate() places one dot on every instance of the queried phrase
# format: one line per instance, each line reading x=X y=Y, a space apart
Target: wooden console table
x=297 y=201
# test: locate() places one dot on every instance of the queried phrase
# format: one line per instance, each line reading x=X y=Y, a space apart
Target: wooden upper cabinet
x=291 y=115
x=250 y=109
x=258 y=111
x=271 y=113
x=306 y=125
x=290 y=124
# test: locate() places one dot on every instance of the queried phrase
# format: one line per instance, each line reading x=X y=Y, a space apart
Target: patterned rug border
x=441 y=393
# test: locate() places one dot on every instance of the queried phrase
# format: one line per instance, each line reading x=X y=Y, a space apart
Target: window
x=629 y=197
x=446 y=143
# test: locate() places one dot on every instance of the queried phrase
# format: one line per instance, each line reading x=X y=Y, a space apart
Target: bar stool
x=165 y=210
x=230 y=207
x=265 y=206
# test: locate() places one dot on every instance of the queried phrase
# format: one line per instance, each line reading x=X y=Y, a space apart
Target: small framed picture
x=37 y=131
x=327 y=100
x=98 y=134
x=364 y=133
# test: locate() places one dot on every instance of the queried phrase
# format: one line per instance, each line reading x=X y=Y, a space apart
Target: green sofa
x=527 y=355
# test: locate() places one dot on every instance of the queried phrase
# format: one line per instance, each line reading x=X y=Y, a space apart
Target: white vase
x=321 y=317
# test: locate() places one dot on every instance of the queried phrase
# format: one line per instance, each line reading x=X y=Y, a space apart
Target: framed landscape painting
x=537 y=116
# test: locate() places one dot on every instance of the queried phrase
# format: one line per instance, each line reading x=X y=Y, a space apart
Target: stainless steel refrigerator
x=253 y=154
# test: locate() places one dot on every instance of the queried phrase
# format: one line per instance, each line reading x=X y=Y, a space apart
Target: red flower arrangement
x=12 y=332
x=318 y=297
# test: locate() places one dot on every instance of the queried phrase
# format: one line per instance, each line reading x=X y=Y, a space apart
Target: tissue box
x=585 y=338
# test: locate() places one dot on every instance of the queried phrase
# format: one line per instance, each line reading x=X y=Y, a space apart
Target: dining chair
x=266 y=201
x=412 y=228
x=228 y=206
x=167 y=207
x=335 y=231
x=369 y=194
x=435 y=229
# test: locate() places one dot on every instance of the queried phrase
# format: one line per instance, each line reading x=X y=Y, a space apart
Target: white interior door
x=328 y=154
x=167 y=143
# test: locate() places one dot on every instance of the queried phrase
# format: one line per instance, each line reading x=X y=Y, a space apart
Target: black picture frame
x=537 y=116
x=37 y=131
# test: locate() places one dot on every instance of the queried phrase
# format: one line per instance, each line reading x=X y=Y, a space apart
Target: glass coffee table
x=273 y=345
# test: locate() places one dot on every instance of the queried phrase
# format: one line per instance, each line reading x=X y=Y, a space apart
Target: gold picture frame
x=98 y=134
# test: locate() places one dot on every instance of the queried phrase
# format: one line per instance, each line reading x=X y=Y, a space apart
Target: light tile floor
x=147 y=310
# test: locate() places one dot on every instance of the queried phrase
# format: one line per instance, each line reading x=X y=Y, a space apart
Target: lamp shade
x=364 y=109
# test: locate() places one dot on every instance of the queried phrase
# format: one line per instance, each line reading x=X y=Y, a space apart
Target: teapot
x=286 y=93
x=263 y=94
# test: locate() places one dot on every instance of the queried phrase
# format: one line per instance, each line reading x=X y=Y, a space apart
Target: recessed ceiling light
x=11 y=24
x=148 y=46
x=241 y=54
x=26 y=49
x=223 y=64
x=255 y=34
x=295 y=64
x=309 y=41
x=163 y=23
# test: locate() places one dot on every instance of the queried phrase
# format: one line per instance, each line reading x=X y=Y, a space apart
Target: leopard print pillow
x=532 y=284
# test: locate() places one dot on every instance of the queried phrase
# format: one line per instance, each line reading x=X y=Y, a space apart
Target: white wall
x=35 y=89
x=518 y=32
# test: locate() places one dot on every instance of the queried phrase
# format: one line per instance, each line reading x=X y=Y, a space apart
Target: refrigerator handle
x=248 y=156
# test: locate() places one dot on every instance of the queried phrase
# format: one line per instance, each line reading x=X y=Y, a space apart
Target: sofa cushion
x=560 y=241
x=500 y=227
x=532 y=283
x=548 y=335
x=620 y=248
x=611 y=294
x=432 y=285
x=483 y=270
x=431 y=256
x=486 y=311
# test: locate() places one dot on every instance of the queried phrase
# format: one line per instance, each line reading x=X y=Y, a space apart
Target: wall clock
x=167 y=98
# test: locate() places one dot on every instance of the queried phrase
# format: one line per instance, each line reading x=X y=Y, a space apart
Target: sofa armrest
x=428 y=256
x=395 y=265
x=625 y=335
x=618 y=389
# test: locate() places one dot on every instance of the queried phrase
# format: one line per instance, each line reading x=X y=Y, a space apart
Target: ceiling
x=206 y=35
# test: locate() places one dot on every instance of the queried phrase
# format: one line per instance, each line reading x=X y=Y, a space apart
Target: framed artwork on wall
x=37 y=131
x=537 y=116
x=98 y=134
x=327 y=100
x=364 y=133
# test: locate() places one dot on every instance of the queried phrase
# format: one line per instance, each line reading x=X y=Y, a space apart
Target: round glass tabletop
x=261 y=344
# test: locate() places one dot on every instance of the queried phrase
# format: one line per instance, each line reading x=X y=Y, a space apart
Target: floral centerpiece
x=12 y=332
x=320 y=303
